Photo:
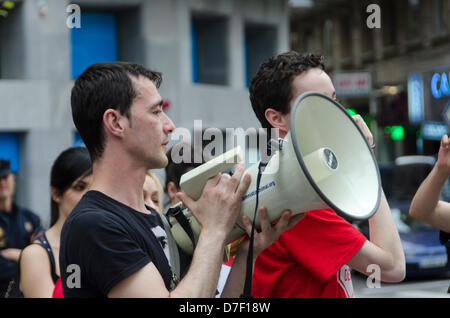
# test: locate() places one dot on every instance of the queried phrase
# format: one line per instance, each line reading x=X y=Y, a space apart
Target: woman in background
x=71 y=176
x=153 y=192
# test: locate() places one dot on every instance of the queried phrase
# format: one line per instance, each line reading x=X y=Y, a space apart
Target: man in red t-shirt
x=313 y=258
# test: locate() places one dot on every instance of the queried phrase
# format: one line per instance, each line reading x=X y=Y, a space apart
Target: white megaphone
x=324 y=161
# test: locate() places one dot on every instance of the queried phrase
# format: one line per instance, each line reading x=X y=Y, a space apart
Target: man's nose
x=169 y=126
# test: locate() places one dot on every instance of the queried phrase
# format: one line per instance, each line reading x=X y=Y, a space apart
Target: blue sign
x=439 y=85
x=415 y=98
x=434 y=130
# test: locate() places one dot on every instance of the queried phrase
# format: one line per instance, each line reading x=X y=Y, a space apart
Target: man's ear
x=171 y=191
x=114 y=122
x=277 y=120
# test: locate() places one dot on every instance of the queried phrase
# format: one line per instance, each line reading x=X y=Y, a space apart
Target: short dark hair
x=174 y=170
x=70 y=165
x=271 y=87
x=100 y=87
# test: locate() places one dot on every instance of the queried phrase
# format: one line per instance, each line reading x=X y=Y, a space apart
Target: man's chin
x=160 y=163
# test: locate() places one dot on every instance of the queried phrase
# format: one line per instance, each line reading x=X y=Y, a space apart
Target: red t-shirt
x=309 y=259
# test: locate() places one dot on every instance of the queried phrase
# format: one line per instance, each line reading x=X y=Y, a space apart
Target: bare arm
x=11 y=254
x=35 y=273
x=216 y=211
x=426 y=204
x=384 y=248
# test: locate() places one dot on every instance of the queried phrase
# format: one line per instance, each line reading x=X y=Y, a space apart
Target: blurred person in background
x=70 y=178
x=153 y=191
x=175 y=170
x=18 y=226
x=426 y=205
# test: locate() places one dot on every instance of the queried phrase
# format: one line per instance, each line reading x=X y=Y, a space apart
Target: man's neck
x=121 y=180
x=6 y=204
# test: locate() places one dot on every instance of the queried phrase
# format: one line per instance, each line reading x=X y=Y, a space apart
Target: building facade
x=390 y=62
x=206 y=50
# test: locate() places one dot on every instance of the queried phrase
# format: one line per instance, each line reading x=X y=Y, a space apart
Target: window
x=439 y=18
x=346 y=36
x=367 y=34
x=10 y=149
x=260 y=44
x=95 y=41
x=389 y=22
x=327 y=37
x=413 y=32
x=209 y=49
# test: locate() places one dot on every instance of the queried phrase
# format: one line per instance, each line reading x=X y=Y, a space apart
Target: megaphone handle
x=247 y=292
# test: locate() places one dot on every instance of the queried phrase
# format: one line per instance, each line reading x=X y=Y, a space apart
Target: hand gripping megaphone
x=323 y=162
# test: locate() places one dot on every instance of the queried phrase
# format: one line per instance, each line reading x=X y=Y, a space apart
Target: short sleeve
x=108 y=252
x=322 y=242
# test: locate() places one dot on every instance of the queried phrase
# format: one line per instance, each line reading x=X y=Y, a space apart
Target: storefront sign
x=352 y=84
x=439 y=85
x=434 y=130
x=415 y=98
x=436 y=93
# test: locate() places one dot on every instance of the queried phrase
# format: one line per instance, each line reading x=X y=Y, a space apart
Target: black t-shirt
x=104 y=241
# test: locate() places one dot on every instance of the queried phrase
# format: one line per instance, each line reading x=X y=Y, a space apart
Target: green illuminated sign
x=396 y=132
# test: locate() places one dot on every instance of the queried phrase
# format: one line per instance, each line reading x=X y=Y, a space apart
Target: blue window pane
x=95 y=41
x=10 y=150
x=194 y=38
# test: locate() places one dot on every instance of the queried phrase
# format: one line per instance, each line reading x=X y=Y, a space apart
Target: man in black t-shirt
x=111 y=244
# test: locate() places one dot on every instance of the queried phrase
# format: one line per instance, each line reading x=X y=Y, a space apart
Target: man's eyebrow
x=157 y=104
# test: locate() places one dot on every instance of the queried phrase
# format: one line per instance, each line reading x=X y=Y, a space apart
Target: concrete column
x=46 y=57
x=236 y=38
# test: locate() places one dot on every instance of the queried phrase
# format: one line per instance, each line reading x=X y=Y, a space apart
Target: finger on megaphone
x=364 y=129
x=186 y=200
x=247 y=223
x=264 y=219
x=243 y=185
x=213 y=181
x=283 y=221
x=237 y=175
